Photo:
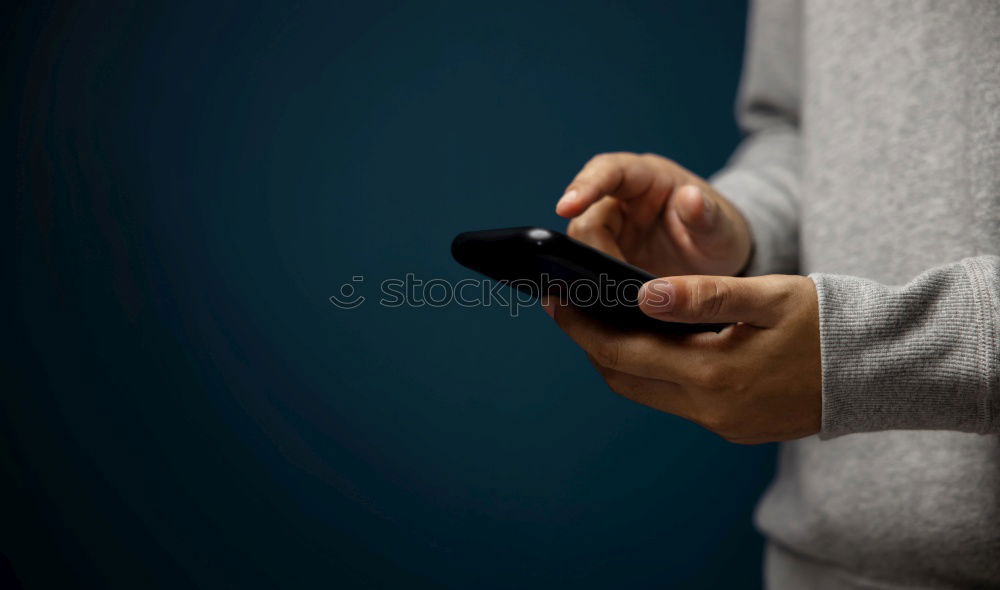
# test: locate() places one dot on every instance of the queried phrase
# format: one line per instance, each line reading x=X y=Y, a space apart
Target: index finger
x=622 y=175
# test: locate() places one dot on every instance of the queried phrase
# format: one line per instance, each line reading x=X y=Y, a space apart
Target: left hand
x=757 y=381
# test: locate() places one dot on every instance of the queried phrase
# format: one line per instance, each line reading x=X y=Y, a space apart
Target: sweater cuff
x=922 y=356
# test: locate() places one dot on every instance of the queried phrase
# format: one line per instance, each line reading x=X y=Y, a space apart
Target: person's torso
x=901 y=130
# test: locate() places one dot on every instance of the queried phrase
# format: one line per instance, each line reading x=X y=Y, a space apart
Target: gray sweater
x=872 y=162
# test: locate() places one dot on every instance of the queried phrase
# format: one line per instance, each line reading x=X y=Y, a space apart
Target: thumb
x=708 y=229
x=696 y=210
x=712 y=299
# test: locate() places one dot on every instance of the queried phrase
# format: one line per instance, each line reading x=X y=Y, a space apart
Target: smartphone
x=540 y=261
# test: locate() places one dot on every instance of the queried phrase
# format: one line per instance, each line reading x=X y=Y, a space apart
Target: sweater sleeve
x=921 y=356
x=762 y=177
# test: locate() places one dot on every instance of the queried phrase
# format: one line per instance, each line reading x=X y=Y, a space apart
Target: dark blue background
x=192 y=181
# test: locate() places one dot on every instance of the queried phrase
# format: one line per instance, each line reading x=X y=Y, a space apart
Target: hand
x=652 y=213
x=756 y=381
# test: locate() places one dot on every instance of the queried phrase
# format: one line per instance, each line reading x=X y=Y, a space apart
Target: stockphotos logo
x=411 y=291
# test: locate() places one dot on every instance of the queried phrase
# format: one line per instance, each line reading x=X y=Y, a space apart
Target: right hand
x=650 y=212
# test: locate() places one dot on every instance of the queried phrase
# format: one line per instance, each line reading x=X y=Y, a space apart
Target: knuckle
x=580 y=226
x=619 y=383
x=706 y=375
x=710 y=298
x=607 y=353
x=616 y=383
x=723 y=422
x=711 y=370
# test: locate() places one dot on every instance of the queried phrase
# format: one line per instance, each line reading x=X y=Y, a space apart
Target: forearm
x=921 y=356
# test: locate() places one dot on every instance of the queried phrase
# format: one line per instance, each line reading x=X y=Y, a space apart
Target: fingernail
x=658 y=295
x=566 y=199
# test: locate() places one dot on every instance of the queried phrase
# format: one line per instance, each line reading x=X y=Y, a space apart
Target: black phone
x=540 y=261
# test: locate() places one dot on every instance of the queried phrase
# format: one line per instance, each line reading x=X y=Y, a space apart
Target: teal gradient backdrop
x=192 y=181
